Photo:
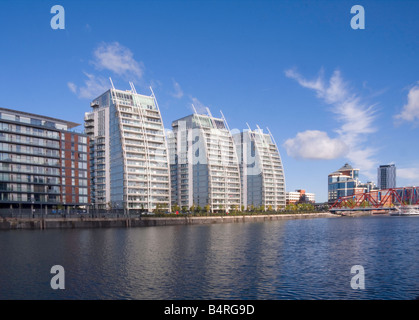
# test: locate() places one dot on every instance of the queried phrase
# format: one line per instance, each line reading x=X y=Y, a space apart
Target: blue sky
x=328 y=93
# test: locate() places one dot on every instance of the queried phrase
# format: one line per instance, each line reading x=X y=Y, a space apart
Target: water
x=289 y=259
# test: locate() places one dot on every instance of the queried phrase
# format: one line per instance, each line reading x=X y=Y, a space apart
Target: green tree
x=291 y=207
x=207 y=208
x=159 y=208
x=365 y=204
x=175 y=208
x=350 y=203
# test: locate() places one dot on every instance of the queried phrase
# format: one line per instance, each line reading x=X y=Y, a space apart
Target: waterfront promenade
x=125 y=222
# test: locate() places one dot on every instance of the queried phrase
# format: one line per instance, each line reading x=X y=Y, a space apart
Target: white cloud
x=72 y=87
x=178 y=93
x=355 y=118
x=314 y=84
x=410 y=174
x=111 y=57
x=199 y=106
x=314 y=144
x=118 y=59
x=410 y=111
x=363 y=158
x=94 y=86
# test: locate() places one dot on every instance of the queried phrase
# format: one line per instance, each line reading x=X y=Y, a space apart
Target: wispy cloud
x=178 y=92
x=199 y=106
x=356 y=119
x=410 y=111
x=118 y=59
x=410 y=174
x=93 y=87
x=72 y=87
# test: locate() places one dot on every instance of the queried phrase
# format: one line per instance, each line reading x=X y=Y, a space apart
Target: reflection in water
x=290 y=259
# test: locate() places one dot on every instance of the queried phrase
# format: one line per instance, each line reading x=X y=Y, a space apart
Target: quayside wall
x=86 y=222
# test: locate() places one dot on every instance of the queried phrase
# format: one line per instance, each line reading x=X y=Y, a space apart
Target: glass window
x=6 y=116
x=25 y=120
x=36 y=122
x=49 y=124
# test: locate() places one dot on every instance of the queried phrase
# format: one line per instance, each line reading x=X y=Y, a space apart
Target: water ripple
x=294 y=259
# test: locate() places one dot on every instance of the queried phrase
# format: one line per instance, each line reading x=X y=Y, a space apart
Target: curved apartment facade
x=129 y=155
x=261 y=170
x=204 y=165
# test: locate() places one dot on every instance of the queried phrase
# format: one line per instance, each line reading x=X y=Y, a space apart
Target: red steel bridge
x=378 y=200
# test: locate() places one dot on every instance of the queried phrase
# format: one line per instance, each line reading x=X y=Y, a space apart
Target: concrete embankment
x=84 y=222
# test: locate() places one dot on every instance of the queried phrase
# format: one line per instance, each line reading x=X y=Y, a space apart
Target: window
x=36 y=122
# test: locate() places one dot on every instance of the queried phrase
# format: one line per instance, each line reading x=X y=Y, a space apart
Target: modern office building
x=261 y=170
x=204 y=167
x=129 y=159
x=386 y=177
x=343 y=182
x=300 y=196
x=42 y=163
x=366 y=187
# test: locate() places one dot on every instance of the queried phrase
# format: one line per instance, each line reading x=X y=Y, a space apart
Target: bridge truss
x=379 y=199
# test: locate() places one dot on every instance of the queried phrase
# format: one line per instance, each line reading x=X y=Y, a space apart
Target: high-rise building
x=204 y=167
x=42 y=163
x=129 y=159
x=386 y=177
x=343 y=182
x=261 y=170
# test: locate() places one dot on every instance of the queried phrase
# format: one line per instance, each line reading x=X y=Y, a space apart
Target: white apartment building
x=129 y=158
x=261 y=170
x=204 y=166
x=295 y=196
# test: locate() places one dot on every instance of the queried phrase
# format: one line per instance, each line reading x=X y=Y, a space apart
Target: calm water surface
x=290 y=259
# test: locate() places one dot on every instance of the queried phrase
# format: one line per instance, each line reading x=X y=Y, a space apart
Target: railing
x=60 y=214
